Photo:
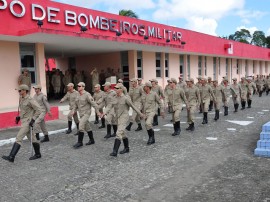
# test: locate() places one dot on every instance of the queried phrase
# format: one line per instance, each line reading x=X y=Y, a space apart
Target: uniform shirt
x=206 y=92
x=108 y=101
x=193 y=95
x=98 y=97
x=29 y=109
x=182 y=84
x=135 y=94
x=67 y=79
x=149 y=102
x=177 y=98
x=243 y=87
x=218 y=92
x=167 y=92
x=158 y=90
x=25 y=80
x=235 y=90
x=251 y=87
x=71 y=97
x=56 y=80
x=41 y=99
x=227 y=91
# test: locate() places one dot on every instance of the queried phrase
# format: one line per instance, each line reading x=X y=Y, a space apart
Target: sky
x=214 y=17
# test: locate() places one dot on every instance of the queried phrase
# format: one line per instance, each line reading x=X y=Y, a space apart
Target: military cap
x=37 y=86
x=153 y=80
x=243 y=78
x=25 y=70
x=119 y=86
x=23 y=87
x=107 y=84
x=173 y=80
x=209 y=78
x=148 y=84
x=234 y=79
x=97 y=85
x=133 y=80
x=139 y=79
x=120 y=81
x=199 y=77
x=203 y=79
x=70 y=85
x=81 y=84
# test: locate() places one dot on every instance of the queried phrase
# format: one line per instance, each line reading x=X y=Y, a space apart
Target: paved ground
x=214 y=163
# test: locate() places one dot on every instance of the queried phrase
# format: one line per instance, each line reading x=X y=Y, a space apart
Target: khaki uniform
x=95 y=80
x=149 y=103
x=56 y=83
x=194 y=99
x=71 y=97
x=219 y=94
x=243 y=91
x=39 y=126
x=251 y=89
x=135 y=95
x=66 y=80
x=235 y=90
x=160 y=93
x=227 y=95
x=84 y=104
x=98 y=97
x=260 y=84
x=25 y=80
x=267 y=85
x=206 y=93
x=109 y=99
x=29 y=109
x=176 y=99
x=182 y=85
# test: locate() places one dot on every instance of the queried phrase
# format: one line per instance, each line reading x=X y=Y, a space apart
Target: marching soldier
x=206 y=92
x=98 y=96
x=267 y=85
x=251 y=89
x=135 y=94
x=176 y=99
x=235 y=91
x=260 y=85
x=210 y=83
x=84 y=104
x=227 y=95
x=56 y=83
x=243 y=92
x=29 y=112
x=218 y=91
x=181 y=83
x=149 y=101
x=109 y=99
x=71 y=96
x=167 y=92
x=40 y=125
x=194 y=100
x=124 y=88
x=199 y=85
x=121 y=108
x=25 y=78
x=157 y=88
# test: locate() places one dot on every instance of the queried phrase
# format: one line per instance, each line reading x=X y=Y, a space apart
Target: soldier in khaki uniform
x=56 y=83
x=157 y=88
x=206 y=92
x=40 y=125
x=84 y=104
x=121 y=107
x=199 y=85
x=109 y=99
x=167 y=92
x=124 y=88
x=25 y=78
x=251 y=89
x=95 y=78
x=176 y=99
x=140 y=82
x=218 y=91
x=71 y=96
x=243 y=92
x=267 y=85
x=194 y=100
x=29 y=112
x=98 y=97
x=149 y=101
x=227 y=94
x=135 y=94
x=78 y=77
x=260 y=85
x=67 y=79
x=181 y=83
x=235 y=91
x=210 y=83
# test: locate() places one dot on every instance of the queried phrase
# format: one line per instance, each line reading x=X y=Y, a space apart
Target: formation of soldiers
x=147 y=100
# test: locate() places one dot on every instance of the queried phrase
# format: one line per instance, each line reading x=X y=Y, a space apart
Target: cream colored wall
x=132 y=64
x=149 y=66
x=9 y=73
x=62 y=64
x=40 y=67
x=174 y=66
x=210 y=66
x=194 y=67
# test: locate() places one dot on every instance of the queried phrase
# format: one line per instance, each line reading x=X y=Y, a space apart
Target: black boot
x=102 y=123
x=77 y=129
x=189 y=127
x=200 y=109
x=69 y=127
x=177 y=128
x=80 y=141
x=149 y=132
x=16 y=147
x=226 y=111
x=174 y=129
x=114 y=131
x=216 y=115
x=236 y=107
x=243 y=103
x=211 y=106
x=205 y=119
x=192 y=128
x=116 y=146
x=129 y=126
x=155 y=123
x=109 y=131
x=139 y=127
x=91 y=138
x=126 y=147
x=249 y=103
x=37 y=136
x=152 y=136
x=260 y=94
x=37 y=151
x=96 y=120
x=45 y=139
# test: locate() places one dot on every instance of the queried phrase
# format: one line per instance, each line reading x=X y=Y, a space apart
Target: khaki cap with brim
x=133 y=80
x=243 y=78
x=107 y=84
x=209 y=78
x=81 y=84
x=119 y=86
x=154 y=80
x=23 y=87
x=37 y=86
x=120 y=81
x=97 y=85
x=234 y=79
x=139 y=79
x=173 y=80
x=148 y=84
x=70 y=85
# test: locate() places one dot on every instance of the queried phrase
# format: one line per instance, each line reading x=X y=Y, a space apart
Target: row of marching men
x=112 y=106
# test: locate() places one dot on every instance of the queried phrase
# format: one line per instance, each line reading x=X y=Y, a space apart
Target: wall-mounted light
x=83 y=29
x=168 y=40
x=146 y=37
x=39 y=23
x=118 y=33
x=183 y=43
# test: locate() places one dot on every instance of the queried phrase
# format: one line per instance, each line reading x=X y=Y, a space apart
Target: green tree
x=243 y=36
x=128 y=13
x=267 y=41
x=258 y=39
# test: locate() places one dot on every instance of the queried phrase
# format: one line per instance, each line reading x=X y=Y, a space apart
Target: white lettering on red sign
x=4 y=6
x=34 y=9
x=20 y=4
x=52 y=14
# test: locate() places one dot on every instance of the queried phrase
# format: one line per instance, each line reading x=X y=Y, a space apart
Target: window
x=181 y=68
x=200 y=65
x=158 y=64
x=188 y=65
x=246 y=67
x=219 y=71
x=28 y=59
x=214 y=67
x=166 y=65
x=227 y=66
x=139 y=64
x=237 y=66
x=205 y=65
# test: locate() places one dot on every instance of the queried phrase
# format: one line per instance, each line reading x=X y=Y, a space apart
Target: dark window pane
x=157 y=63
x=181 y=69
x=33 y=77
x=125 y=69
x=139 y=73
x=139 y=62
x=27 y=61
x=166 y=73
x=166 y=63
x=158 y=73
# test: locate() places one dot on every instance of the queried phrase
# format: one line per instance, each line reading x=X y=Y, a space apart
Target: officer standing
x=78 y=77
x=56 y=83
x=84 y=104
x=25 y=78
x=206 y=92
x=95 y=78
x=194 y=100
x=121 y=108
x=235 y=90
x=67 y=79
x=71 y=96
x=29 y=112
x=243 y=92
x=218 y=91
x=40 y=125
x=167 y=92
x=109 y=99
x=199 y=85
x=98 y=96
x=149 y=101
x=135 y=94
